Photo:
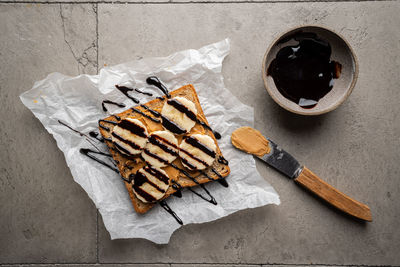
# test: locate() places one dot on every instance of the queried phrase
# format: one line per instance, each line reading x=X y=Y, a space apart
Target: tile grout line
x=190 y=2
x=96 y=9
x=196 y=264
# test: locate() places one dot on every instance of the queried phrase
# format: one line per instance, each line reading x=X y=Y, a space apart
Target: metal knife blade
x=282 y=160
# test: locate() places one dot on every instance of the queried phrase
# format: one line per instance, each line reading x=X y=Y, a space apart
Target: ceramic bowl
x=343 y=86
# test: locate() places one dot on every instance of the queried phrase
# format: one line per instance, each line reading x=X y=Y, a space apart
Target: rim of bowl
x=340 y=101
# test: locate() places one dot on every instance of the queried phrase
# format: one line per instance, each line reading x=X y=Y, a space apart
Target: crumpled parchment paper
x=77 y=101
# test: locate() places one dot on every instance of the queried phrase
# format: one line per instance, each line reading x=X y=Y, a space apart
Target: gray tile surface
x=214 y=265
x=45 y=215
x=88 y=265
x=47 y=218
x=353 y=148
x=153 y=1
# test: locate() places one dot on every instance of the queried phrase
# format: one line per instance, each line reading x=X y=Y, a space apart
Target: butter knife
x=289 y=166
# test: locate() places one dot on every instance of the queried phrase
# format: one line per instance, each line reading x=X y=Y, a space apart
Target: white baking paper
x=77 y=101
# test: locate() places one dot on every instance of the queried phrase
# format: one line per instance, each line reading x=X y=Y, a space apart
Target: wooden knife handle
x=333 y=196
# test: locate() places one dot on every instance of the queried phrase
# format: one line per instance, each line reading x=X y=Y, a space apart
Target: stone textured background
x=47 y=219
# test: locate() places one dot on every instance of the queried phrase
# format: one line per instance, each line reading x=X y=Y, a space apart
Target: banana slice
x=179 y=115
x=197 y=151
x=161 y=149
x=129 y=136
x=150 y=184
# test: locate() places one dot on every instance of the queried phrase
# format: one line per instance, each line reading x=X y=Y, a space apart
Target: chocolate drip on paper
x=153 y=80
x=106 y=101
x=125 y=90
x=88 y=152
x=164 y=204
x=211 y=200
x=96 y=136
x=142 y=92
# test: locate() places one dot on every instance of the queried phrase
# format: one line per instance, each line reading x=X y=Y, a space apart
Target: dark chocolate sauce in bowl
x=304 y=73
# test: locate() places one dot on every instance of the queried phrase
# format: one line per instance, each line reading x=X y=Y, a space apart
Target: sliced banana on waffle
x=150 y=184
x=197 y=151
x=179 y=115
x=129 y=136
x=161 y=149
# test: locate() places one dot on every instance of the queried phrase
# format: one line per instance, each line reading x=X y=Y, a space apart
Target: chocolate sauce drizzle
x=145 y=115
x=153 y=80
x=222 y=160
x=193 y=157
x=105 y=127
x=96 y=136
x=69 y=127
x=178 y=194
x=108 y=121
x=87 y=137
x=168 y=124
x=172 y=126
x=121 y=105
x=146 y=151
x=152 y=111
x=117 y=117
x=125 y=90
x=196 y=143
x=133 y=128
x=88 y=152
x=190 y=114
x=221 y=179
x=157 y=114
x=182 y=108
x=164 y=204
x=138 y=180
x=188 y=164
x=142 y=92
x=159 y=141
x=127 y=142
x=156 y=173
x=121 y=148
x=211 y=200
